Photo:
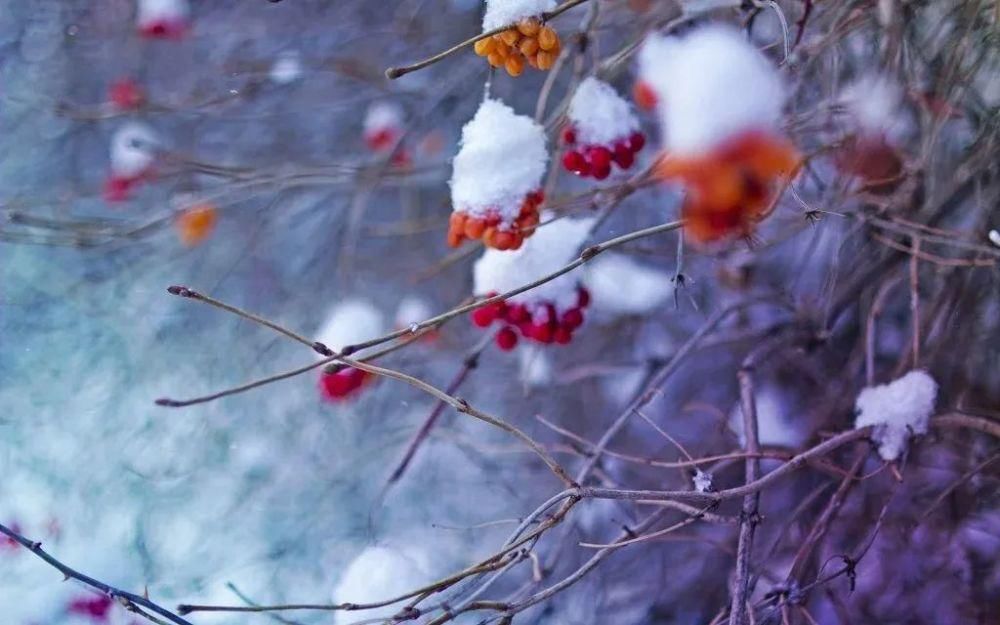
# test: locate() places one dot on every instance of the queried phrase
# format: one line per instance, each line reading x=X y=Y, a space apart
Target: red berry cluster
x=539 y=322
x=343 y=384
x=595 y=160
x=96 y=607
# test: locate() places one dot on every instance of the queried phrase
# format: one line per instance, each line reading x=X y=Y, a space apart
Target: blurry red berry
x=506 y=339
x=601 y=171
x=336 y=386
x=562 y=335
x=582 y=297
x=573 y=161
x=637 y=141
x=541 y=332
x=517 y=313
x=624 y=157
x=356 y=377
x=96 y=607
x=484 y=316
x=125 y=94
x=572 y=318
x=598 y=157
x=6 y=542
x=569 y=135
x=117 y=189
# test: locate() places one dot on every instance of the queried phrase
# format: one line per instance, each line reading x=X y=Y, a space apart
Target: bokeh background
x=275 y=491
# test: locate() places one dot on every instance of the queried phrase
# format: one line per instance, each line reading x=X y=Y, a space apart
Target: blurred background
x=274 y=495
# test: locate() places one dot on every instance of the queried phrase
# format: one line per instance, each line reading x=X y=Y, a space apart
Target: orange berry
x=504 y=240
x=510 y=36
x=454 y=238
x=457 y=221
x=514 y=65
x=545 y=60
x=532 y=60
x=529 y=27
x=196 y=223
x=483 y=47
x=474 y=228
x=528 y=46
x=547 y=38
x=644 y=95
x=495 y=59
x=518 y=241
x=556 y=49
x=489 y=235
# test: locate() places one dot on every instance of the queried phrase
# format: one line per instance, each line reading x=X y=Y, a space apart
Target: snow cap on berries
x=553 y=246
x=501 y=160
x=599 y=115
x=169 y=16
x=350 y=322
x=133 y=150
x=501 y=13
x=710 y=84
x=873 y=103
x=897 y=409
x=620 y=286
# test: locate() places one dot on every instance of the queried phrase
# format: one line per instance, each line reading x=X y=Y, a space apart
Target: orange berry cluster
x=528 y=42
x=463 y=226
x=731 y=188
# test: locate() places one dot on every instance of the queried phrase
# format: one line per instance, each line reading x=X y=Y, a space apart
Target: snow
x=702 y=481
x=379 y=573
x=897 y=410
x=776 y=423
x=287 y=68
x=133 y=149
x=352 y=321
x=150 y=11
x=412 y=309
x=506 y=12
x=994 y=237
x=502 y=158
x=620 y=286
x=873 y=103
x=710 y=84
x=535 y=366
x=553 y=246
x=383 y=116
x=599 y=115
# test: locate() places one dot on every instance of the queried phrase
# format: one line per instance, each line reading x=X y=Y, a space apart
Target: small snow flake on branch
x=719 y=101
x=549 y=313
x=527 y=40
x=496 y=178
x=897 y=410
x=133 y=154
x=602 y=130
x=163 y=19
x=352 y=321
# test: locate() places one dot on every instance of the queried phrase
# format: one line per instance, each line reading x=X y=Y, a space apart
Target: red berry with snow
x=623 y=156
x=506 y=339
x=572 y=319
x=599 y=157
x=574 y=162
x=96 y=607
x=483 y=317
x=336 y=386
x=117 y=189
x=637 y=141
x=602 y=171
x=569 y=135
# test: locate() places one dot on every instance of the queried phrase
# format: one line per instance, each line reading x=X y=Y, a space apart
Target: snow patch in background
x=507 y=12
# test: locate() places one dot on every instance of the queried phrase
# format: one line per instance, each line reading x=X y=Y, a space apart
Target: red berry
x=562 y=335
x=569 y=135
x=95 y=607
x=624 y=157
x=484 y=316
x=572 y=319
x=356 y=377
x=517 y=313
x=506 y=339
x=573 y=161
x=636 y=141
x=541 y=332
x=336 y=386
x=582 y=297
x=526 y=328
x=125 y=94
x=598 y=157
x=117 y=189
x=602 y=171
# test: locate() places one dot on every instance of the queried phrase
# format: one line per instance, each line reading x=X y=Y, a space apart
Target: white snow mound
x=379 y=573
x=502 y=158
x=599 y=115
x=350 y=322
x=620 y=286
x=133 y=149
x=507 y=12
x=897 y=410
x=710 y=85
